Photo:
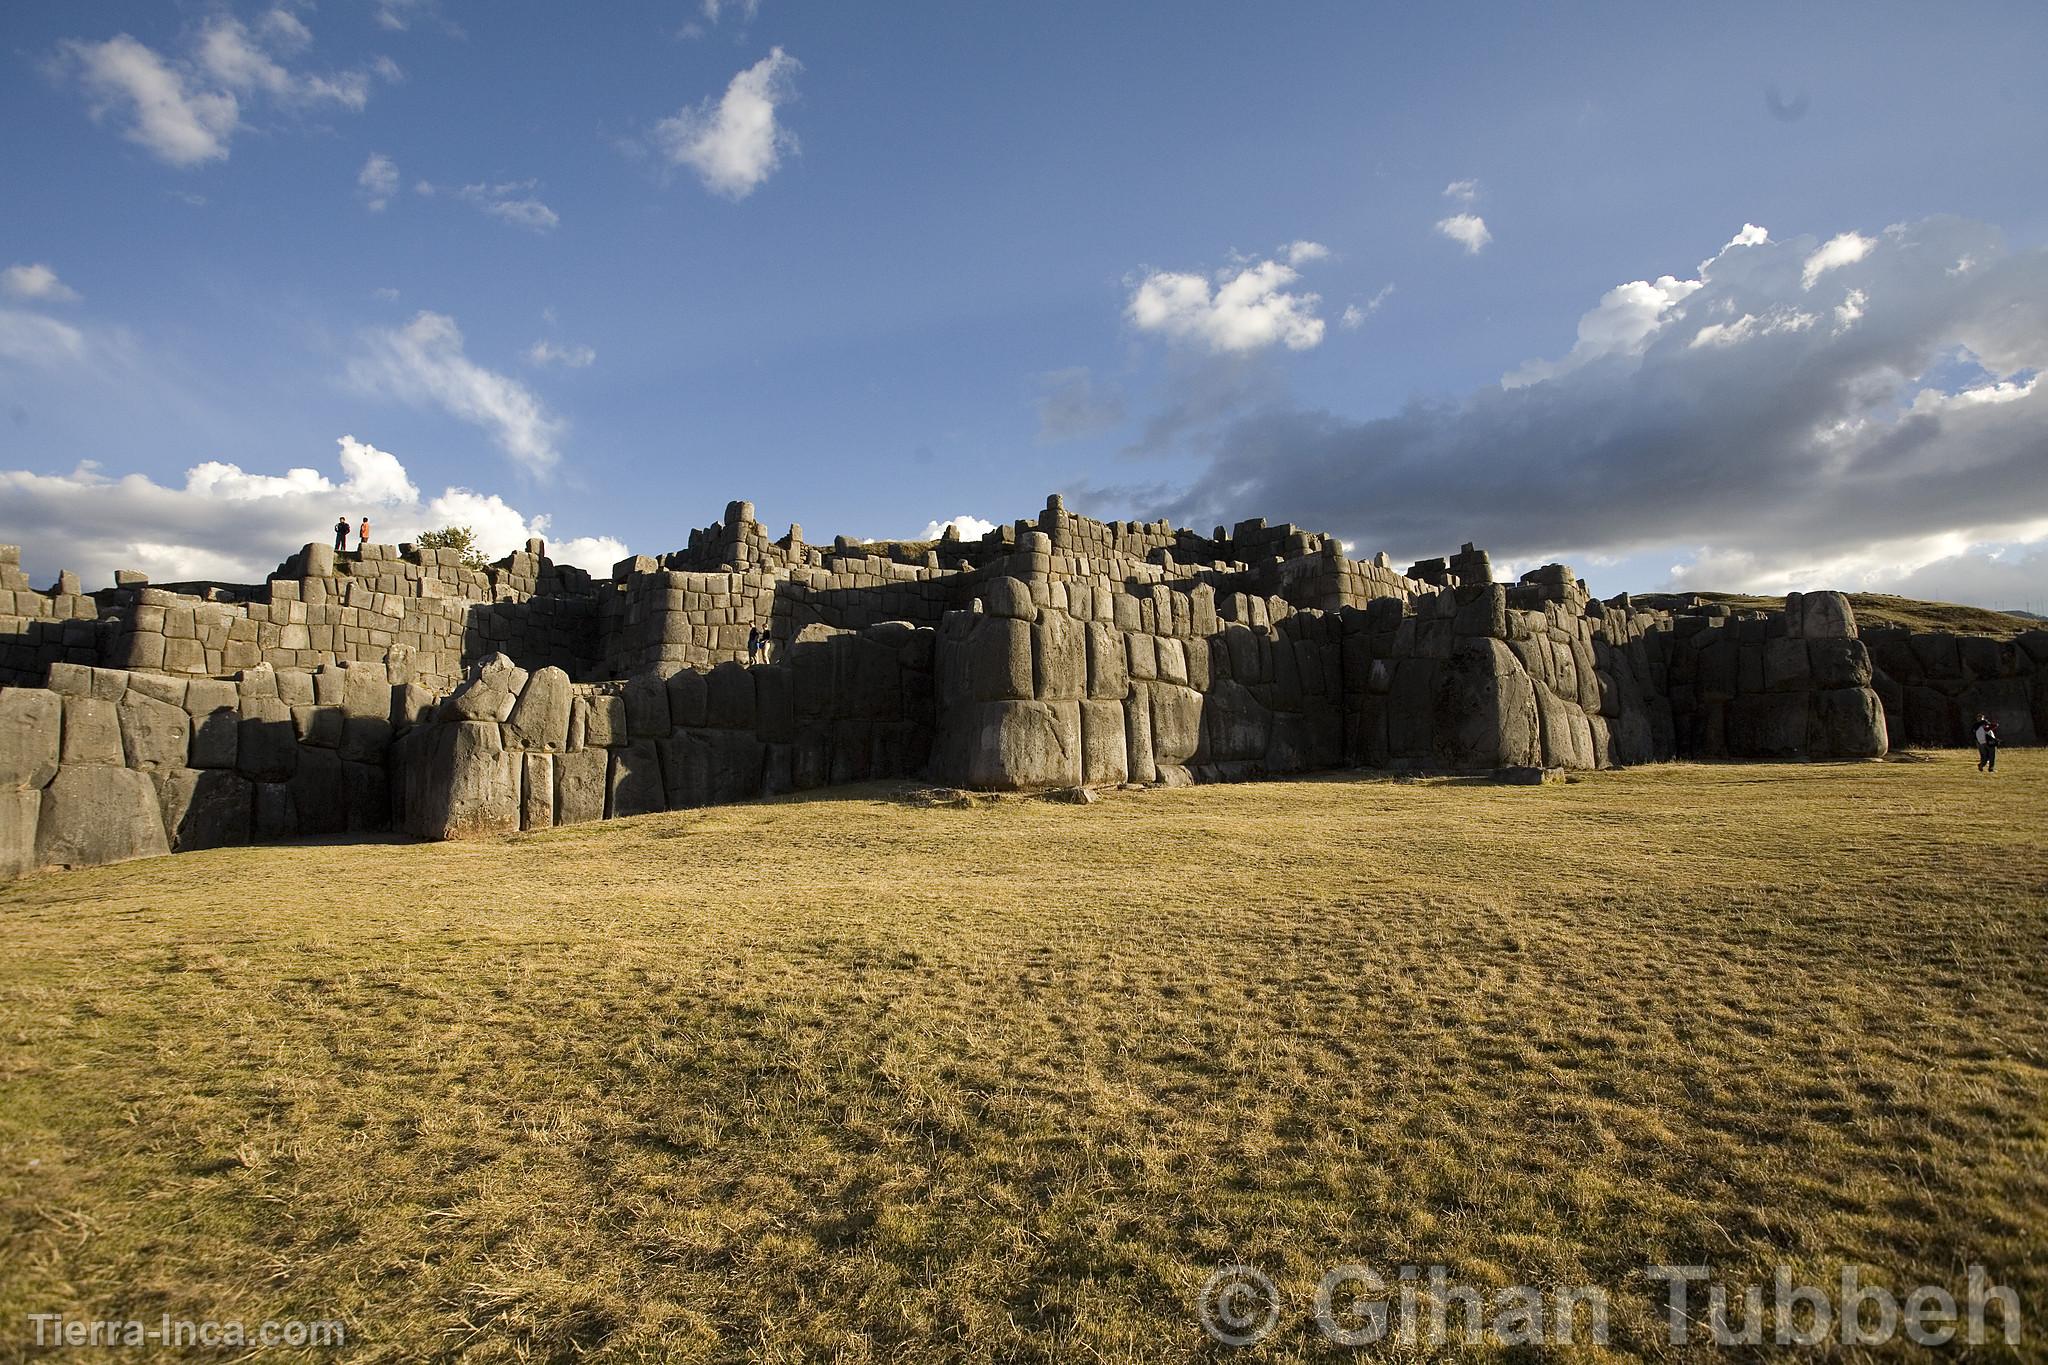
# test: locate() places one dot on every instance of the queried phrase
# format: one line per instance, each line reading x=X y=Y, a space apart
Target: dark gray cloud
x=1798 y=406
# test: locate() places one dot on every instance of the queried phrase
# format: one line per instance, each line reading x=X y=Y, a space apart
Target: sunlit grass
x=852 y=1079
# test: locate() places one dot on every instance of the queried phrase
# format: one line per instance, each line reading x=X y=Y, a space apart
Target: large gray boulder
x=320 y=792
x=154 y=734
x=635 y=781
x=368 y=792
x=1138 y=736
x=1848 y=722
x=276 y=817
x=266 y=743
x=31 y=726
x=1025 y=745
x=1819 y=616
x=1239 y=727
x=580 y=786
x=205 y=807
x=1560 y=740
x=19 y=809
x=1838 y=662
x=1105 y=755
x=540 y=719
x=92 y=731
x=1000 y=658
x=1768 y=725
x=537 y=791
x=647 y=714
x=605 y=724
x=1008 y=597
x=95 y=813
x=689 y=698
x=1176 y=723
x=488 y=692
x=1485 y=709
x=1059 y=649
x=729 y=697
x=366 y=691
x=462 y=783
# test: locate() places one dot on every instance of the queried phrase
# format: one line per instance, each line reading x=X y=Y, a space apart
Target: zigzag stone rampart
x=395 y=689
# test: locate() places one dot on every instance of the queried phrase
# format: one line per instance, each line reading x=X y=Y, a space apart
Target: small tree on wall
x=458 y=538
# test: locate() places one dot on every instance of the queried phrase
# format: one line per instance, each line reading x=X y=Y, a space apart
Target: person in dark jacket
x=1986 y=735
x=341 y=534
x=753 y=646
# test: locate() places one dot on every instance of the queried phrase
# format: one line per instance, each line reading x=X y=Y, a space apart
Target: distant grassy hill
x=1878 y=609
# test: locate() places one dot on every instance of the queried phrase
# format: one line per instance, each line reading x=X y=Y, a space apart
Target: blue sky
x=875 y=267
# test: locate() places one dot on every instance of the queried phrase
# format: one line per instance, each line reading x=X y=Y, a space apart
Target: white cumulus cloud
x=424 y=363
x=1714 y=421
x=38 y=283
x=1836 y=252
x=186 y=109
x=970 y=528
x=234 y=525
x=1468 y=230
x=181 y=125
x=1245 y=310
x=1462 y=191
x=735 y=143
x=377 y=181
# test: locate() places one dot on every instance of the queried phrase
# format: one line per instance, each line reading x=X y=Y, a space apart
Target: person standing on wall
x=753 y=646
x=363 y=536
x=1986 y=735
x=340 y=533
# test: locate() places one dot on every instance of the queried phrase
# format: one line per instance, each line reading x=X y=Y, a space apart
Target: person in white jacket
x=1986 y=735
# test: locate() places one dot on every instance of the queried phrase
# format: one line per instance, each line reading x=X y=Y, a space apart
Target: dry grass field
x=850 y=1079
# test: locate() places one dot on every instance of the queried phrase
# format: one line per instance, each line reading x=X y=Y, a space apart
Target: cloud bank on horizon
x=1862 y=412
x=225 y=524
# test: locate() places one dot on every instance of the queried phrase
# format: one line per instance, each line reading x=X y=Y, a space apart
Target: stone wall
x=420 y=609
x=398 y=689
x=106 y=764
x=511 y=750
x=1048 y=683
x=1789 y=684
x=1934 y=686
x=38 y=629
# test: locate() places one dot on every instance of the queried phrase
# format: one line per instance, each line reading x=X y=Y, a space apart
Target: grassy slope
x=850 y=1080
x=1881 y=609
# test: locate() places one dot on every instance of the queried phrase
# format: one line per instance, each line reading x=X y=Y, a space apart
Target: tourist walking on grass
x=341 y=533
x=1986 y=735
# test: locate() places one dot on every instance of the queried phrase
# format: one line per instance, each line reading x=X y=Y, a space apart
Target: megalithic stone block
x=31 y=726
x=94 y=813
x=462 y=783
x=580 y=786
x=1105 y=756
x=540 y=718
x=1025 y=746
x=537 y=791
x=1059 y=658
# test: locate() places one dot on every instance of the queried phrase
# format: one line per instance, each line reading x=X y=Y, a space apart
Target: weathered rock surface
x=95 y=813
